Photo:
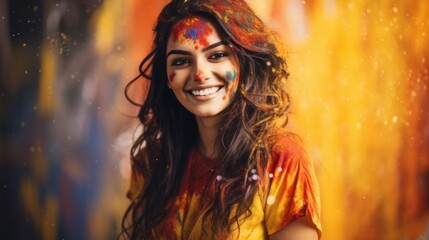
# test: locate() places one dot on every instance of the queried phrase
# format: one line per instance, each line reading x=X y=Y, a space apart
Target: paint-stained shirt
x=290 y=191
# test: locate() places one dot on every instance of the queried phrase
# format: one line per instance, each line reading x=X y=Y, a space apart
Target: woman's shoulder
x=287 y=143
x=287 y=152
x=293 y=190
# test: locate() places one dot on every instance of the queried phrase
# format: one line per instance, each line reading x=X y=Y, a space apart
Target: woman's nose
x=201 y=73
x=200 y=76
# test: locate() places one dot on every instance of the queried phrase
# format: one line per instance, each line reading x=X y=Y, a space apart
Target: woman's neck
x=208 y=129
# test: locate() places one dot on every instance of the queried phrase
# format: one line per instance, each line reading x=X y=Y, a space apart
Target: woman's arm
x=301 y=229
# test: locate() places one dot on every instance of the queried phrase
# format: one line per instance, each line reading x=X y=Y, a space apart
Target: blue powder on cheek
x=230 y=76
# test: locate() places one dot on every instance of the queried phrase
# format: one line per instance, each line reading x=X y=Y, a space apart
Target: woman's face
x=202 y=69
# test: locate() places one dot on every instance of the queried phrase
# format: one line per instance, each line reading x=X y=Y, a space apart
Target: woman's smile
x=205 y=91
x=203 y=94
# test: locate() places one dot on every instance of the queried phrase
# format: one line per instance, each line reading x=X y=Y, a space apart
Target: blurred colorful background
x=360 y=100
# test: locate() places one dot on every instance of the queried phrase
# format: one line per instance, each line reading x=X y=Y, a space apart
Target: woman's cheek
x=231 y=77
x=171 y=76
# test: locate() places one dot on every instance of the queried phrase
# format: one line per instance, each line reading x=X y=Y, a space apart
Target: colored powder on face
x=171 y=77
x=232 y=93
x=199 y=76
x=230 y=76
x=195 y=29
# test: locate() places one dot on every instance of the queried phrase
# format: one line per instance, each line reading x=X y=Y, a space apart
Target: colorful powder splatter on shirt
x=290 y=193
x=196 y=29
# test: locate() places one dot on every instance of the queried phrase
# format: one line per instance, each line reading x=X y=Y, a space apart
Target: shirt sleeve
x=292 y=191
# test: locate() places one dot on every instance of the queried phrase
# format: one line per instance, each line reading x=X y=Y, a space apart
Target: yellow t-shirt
x=291 y=192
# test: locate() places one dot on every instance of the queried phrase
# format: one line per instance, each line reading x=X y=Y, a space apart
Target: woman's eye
x=218 y=55
x=180 y=62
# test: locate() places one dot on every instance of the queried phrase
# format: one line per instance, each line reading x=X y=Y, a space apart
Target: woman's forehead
x=194 y=30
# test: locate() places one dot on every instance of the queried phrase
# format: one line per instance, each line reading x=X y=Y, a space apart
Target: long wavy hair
x=159 y=156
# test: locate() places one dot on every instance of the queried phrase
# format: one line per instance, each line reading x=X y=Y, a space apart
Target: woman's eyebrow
x=178 y=52
x=213 y=46
x=204 y=49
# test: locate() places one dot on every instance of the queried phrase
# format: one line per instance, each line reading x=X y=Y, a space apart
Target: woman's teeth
x=205 y=92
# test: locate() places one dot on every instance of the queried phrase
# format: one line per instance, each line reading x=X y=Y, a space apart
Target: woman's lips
x=207 y=93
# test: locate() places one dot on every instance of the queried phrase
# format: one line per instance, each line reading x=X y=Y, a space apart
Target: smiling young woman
x=212 y=161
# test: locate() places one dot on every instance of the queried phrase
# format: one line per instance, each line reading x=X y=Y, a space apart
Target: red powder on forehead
x=196 y=29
